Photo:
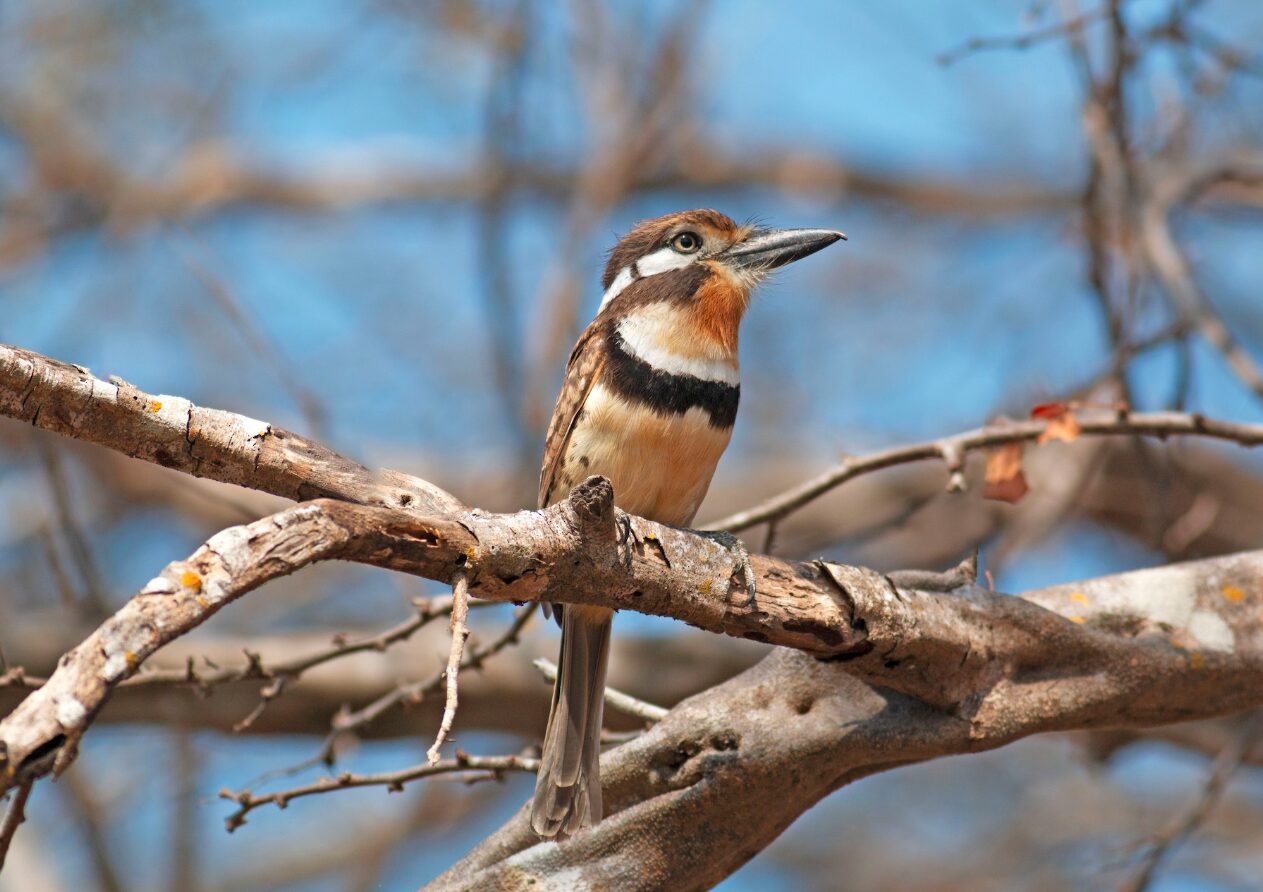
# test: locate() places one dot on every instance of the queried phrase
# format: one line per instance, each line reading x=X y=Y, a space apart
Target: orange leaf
x=1005 y=481
x=1064 y=427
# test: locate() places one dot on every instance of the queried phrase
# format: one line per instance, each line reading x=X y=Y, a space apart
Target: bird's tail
x=568 y=790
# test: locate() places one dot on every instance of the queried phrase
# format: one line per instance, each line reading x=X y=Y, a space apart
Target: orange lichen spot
x=705 y=587
x=1079 y=598
x=189 y=579
x=1233 y=594
x=155 y=406
x=1078 y=619
x=471 y=553
x=131 y=659
x=1196 y=660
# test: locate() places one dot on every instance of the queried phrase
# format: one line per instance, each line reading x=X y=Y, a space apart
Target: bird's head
x=704 y=263
x=707 y=241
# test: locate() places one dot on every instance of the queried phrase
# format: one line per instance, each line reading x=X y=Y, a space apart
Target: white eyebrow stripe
x=621 y=281
x=660 y=261
x=640 y=338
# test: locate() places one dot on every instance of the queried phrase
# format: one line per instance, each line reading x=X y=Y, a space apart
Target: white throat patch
x=646 y=335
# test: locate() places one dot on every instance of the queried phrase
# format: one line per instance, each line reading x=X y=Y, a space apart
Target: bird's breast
x=660 y=461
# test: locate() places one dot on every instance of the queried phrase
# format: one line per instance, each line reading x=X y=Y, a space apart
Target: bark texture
x=868 y=675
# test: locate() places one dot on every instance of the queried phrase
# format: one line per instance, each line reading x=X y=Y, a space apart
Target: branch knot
x=592 y=503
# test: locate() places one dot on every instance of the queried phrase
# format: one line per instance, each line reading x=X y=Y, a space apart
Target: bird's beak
x=766 y=249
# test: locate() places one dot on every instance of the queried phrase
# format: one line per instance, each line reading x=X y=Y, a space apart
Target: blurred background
x=381 y=223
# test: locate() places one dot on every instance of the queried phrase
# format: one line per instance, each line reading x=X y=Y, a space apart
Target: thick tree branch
x=874 y=676
x=944 y=649
x=172 y=432
x=723 y=772
x=581 y=550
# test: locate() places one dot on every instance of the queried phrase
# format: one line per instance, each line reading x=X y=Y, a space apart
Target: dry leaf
x=1062 y=425
x=1005 y=481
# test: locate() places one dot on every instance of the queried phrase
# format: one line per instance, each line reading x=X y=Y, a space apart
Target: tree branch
x=877 y=675
x=1112 y=423
x=723 y=772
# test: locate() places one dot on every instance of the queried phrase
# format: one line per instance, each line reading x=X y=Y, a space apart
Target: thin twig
x=624 y=703
x=1225 y=766
x=1146 y=424
x=93 y=599
x=1172 y=269
x=13 y=818
x=265 y=349
x=93 y=820
x=460 y=632
x=348 y=721
x=1022 y=41
x=482 y=767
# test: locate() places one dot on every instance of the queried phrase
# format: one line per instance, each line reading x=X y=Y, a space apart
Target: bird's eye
x=686 y=243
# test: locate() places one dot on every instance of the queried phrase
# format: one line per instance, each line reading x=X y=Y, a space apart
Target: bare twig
x=312 y=407
x=14 y=817
x=1168 y=262
x=624 y=703
x=1148 y=424
x=1025 y=40
x=346 y=722
x=93 y=597
x=479 y=767
x=93 y=822
x=1230 y=758
x=279 y=673
x=460 y=632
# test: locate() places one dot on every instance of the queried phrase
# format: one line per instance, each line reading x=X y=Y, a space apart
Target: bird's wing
x=581 y=373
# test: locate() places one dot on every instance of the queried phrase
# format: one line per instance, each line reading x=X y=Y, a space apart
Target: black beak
x=767 y=249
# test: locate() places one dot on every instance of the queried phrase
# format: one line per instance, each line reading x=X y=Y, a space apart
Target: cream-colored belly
x=660 y=464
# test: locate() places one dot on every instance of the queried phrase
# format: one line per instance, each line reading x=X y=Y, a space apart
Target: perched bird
x=649 y=401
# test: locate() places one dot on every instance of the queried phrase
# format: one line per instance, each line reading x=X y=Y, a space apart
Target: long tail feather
x=568 y=790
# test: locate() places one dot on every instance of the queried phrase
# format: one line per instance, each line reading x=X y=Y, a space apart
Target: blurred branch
x=74 y=185
x=92 y=599
x=1025 y=40
x=634 y=133
x=1172 y=269
x=1186 y=824
x=728 y=753
x=624 y=703
x=505 y=695
x=312 y=407
x=14 y=815
x=352 y=722
x=503 y=104
x=94 y=824
x=1114 y=423
x=474 y=768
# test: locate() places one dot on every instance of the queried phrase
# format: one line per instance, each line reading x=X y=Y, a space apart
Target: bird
x=648 y=401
